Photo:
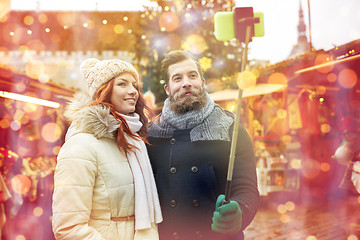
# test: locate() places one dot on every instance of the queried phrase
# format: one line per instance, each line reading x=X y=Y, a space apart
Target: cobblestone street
x=282 y=218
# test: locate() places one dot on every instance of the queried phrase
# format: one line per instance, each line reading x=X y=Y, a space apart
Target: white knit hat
x=97 y=73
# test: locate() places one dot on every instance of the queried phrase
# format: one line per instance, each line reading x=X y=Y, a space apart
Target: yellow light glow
x=295 y=163
x=348 y=78
x=281 y=113
x=325 y=167
x=28 y=20
x=118 y=29
x=12 y=33
x=104 y=21
x=278 y=78
x=29 y=32
x=290 y=206
x=20 y=237
x=38 y=211
x=325 y=128
x=51 y=132
x=285 y=218
x=56 y=150
x=352 y=237
x=246 y=79
x=311 y=237
x=47 y=30
x=4 y=123
x=42 y=18
x=125 y=18
x=281 y=209
x=28 y=99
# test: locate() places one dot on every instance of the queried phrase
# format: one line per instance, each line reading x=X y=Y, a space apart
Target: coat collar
x=96 y=120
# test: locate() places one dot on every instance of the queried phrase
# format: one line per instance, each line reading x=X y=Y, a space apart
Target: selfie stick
x=236 y=123
x=241 y=24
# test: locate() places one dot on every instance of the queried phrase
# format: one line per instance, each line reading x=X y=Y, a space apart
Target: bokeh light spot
x=20 y=184
x=281 y=113
x=310 y=168
x=42 y=18
x=38 y=211
x=311 y=237
x=352 y=237
x=285 y=218
x=4 y=123
x=56 y=150
x=321 y=90
x=20 y=237
x=331 y=77
x=347 y=78
x=195 y=44
x=66 y=19
x=323 y=59
x=118 y=29
x=51 y=132
x=295 y=163
x=325 y=167
x=277 y=78
x=28 y=20
x=246 y=79
x=15 y=125
x=169 y=21
x=290 y=206
x=281 y=209
x=325 y=128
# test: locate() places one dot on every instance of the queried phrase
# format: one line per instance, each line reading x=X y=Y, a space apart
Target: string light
x=28 y=99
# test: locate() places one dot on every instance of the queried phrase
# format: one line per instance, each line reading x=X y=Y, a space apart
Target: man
x=348 y=154
x=189 y=151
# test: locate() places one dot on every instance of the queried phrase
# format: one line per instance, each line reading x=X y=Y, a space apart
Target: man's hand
x=227 y=218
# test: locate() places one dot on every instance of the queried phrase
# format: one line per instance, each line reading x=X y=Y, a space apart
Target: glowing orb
x=169 y=21
x=246 y=79
x=51 y=132
x=195 y=44
x=20 y=184
x=323 y=59
x=277 y=78
x=347 y=78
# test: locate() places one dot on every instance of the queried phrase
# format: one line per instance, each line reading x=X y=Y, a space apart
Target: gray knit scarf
x=208 y=123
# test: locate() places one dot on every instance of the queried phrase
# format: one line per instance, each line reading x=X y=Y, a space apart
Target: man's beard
x=181 y=104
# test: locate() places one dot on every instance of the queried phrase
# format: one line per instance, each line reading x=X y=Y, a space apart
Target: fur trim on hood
x=96 y=120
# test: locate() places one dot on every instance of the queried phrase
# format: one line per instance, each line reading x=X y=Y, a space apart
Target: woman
x=104 y=186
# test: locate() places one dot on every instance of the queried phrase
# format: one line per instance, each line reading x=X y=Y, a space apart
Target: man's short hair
x=175 y=57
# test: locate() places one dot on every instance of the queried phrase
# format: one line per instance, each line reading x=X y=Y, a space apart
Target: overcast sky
x=333 y=22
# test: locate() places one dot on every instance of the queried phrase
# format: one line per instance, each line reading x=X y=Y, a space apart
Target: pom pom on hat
x=97 y=73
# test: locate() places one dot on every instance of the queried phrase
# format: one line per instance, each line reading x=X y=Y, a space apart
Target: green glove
x=227 y=218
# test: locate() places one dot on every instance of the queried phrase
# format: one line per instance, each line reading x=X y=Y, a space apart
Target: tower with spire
x=302 y=45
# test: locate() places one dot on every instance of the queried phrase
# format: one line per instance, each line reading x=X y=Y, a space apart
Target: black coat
x=190 y=177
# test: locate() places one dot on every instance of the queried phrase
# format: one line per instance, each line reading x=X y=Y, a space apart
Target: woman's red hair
x=102 y=97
